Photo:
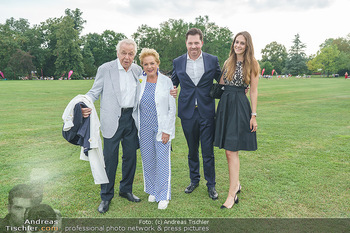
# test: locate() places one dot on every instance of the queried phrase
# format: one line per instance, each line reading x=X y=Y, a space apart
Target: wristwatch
x=254 y=114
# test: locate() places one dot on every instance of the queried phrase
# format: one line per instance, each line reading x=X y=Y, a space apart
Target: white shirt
x=195 y=68
x=127 y=87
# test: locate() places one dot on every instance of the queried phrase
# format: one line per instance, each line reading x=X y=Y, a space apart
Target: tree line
x=56 y=46
x=333 y=57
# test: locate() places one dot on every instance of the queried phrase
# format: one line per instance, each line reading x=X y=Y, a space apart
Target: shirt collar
x=120 y=67
x=200 y=56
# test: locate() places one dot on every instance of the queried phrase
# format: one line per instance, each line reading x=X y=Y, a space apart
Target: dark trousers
x=127 y=135
x=199 y=129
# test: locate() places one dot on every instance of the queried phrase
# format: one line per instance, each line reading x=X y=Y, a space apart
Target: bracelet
x=254 y=114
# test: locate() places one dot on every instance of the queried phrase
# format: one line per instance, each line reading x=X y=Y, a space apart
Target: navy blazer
x=189 y=91
x=79 y=134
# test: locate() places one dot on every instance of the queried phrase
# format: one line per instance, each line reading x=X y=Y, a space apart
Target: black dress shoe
x=191 y=187
x=212 y=193
x=103 y=207
x=130 y=197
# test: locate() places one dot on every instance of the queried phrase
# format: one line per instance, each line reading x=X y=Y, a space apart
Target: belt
x=126 y=109
x=229 y=88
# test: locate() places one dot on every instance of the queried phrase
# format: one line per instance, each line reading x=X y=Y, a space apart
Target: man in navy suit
x=195 y=72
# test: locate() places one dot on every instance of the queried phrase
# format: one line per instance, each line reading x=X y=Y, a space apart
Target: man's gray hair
x=127 y=41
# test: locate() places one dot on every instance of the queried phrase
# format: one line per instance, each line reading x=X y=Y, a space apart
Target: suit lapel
x=142 y=87
x=114 y=75
x=205 y=62
x=183 y=66
x=138 y=86
x=184 y=63
x=205 y=59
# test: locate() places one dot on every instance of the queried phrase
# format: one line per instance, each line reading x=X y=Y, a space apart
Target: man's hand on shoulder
x=173 y=92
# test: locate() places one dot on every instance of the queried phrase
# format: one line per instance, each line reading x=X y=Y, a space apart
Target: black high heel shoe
x=239 y=189
x=236 y=202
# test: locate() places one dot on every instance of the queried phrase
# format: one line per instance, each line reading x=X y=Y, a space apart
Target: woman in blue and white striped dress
x=157 y=110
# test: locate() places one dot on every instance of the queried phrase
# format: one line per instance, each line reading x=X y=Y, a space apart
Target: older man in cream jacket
x=117 y=84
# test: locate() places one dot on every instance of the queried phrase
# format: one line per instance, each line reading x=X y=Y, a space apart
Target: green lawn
x=301 y=167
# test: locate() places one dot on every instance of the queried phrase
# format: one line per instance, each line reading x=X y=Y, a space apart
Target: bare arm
x=254 y=101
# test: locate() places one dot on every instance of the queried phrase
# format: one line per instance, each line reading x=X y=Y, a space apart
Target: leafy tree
x=342 y=44
x=276 y=54
x=217 y=40
x=342 y=62
x=327 y=42
x=21 y=63
x=35 y=48
x=103 y=47
x=49 y=30
x=296 y=61
x=8 y=45
x=18 y=26
x=68 y=50
x=267 y=66
x=111 y=39
x=171 y=43
x=96 y=45
x=76 y=16
x=169 y=39
x=12 y=39
x=325 y=60
x=148 y=37
x=88 y=61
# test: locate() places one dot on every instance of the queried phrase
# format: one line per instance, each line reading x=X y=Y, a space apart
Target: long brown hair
x=250 y=64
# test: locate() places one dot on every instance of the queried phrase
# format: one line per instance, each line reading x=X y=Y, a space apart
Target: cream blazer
x=107 y=86
x=95 y=157
x=165 y=106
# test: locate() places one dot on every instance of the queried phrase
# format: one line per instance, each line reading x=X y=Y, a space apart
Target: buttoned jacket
x=190 y=92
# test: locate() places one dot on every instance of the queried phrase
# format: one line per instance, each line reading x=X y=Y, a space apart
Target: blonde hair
x=145 y=52
x=250 y=64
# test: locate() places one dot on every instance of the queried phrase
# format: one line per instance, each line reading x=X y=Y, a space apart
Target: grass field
x=301 y=167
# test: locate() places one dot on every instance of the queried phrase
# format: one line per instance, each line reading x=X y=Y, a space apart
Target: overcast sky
x=266 y=20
